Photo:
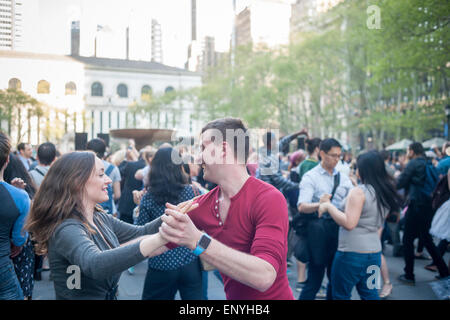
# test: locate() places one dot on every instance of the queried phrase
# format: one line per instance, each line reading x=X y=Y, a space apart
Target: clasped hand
x=325 y=202
x=177 y=227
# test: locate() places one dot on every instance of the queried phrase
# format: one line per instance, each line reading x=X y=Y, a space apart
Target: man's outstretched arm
x=250 y=270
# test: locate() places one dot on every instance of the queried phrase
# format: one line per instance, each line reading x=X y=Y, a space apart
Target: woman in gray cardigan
x=87 y=248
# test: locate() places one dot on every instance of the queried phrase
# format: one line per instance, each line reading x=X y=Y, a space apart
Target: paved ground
x=426 y=288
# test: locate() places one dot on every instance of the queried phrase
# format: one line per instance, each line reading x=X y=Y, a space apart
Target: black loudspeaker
x=80 y=140
x=104 y=137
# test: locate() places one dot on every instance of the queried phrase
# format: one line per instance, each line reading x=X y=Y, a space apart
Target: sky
x=46 y=26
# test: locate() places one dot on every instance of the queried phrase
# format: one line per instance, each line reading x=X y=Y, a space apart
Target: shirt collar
x=323 y=171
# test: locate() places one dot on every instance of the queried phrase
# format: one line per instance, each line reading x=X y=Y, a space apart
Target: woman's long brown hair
x=60 y=197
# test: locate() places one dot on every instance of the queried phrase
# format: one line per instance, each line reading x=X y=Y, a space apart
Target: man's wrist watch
x=202 y=244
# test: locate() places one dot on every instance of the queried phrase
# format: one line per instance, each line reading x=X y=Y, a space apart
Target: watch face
x=204 y=241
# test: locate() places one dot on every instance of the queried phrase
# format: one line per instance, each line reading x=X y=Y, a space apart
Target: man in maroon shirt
x=244 y=221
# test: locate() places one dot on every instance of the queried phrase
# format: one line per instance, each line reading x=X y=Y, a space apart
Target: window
x=43 y=87
x=71 y=88
x=97 y=89
x=14 y=83
x=146 y=91
x=122 y=90
x=169 y=89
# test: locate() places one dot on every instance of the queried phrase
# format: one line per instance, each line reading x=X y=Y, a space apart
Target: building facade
x=10 y=24
x=93 y=95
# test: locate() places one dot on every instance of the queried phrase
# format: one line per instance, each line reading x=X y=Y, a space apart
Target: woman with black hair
x=358 y=259
x=24 y=259
x=16 y=169
x=178 y=269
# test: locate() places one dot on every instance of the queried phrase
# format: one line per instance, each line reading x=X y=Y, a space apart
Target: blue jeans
x=352 y=269
x=9 y=284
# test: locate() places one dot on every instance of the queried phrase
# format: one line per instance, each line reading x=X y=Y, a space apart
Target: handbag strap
x=40 y=172
x=337 y=179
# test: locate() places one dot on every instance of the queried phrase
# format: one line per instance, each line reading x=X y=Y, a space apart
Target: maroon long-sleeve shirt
x=257 y=223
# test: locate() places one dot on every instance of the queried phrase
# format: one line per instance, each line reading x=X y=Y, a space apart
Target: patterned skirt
x=24 y=267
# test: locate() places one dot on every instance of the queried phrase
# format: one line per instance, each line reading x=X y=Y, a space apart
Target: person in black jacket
x=419 y=214
x=269 y=166
x=127 y=171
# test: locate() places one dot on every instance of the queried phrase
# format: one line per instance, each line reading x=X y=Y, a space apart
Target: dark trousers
x=164 y=284
x=314 y=281
x=417 y=224
x=394 y=229
x=322 y=242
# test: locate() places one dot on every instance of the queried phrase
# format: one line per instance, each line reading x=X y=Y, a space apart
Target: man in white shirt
x=25 y=152
x=315 y=184
x=46 y=155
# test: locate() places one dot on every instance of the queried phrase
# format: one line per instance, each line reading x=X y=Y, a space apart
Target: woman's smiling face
x=96 y=188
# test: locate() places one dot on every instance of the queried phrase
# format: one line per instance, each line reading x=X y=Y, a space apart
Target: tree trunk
x=381 y=139
x=399 y=112
x=9 y=119
x=38 y=129
x=29 y=125
x=19 y=124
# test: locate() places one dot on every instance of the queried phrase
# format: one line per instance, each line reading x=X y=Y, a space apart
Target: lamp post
x=447 y=113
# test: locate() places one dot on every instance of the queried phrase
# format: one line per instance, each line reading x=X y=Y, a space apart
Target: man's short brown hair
x=5 y=149
x=234 y=124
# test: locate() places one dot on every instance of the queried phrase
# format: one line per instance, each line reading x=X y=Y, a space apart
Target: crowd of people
x=245 y=219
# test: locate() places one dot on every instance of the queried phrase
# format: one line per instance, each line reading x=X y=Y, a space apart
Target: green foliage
x=14 y=102
x=340 y=75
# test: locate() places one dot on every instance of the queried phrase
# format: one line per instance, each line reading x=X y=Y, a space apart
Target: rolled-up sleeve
x=271 y=227
x=307 y=188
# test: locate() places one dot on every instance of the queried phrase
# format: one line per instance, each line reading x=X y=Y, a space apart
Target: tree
x=13 y=102
x=155 y=103
x=342 y=75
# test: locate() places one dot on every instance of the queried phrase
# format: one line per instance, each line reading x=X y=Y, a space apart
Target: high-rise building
x=75 y=38
x=127 y=43
x=210 y=58
x=194 y=48
x=10 y=24
x=243 y=28
x=209 y=52
x=194 y=20
x=157 y=54
x=264 y=22
x=202 y=53
x=305 y=13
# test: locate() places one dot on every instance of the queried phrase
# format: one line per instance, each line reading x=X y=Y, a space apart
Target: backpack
x=108 y=205
x=431 y=180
